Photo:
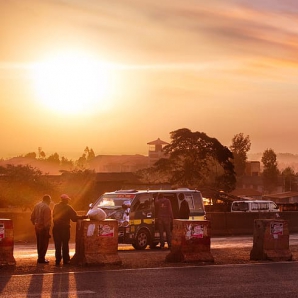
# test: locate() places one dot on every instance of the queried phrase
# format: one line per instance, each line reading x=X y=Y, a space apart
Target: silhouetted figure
x=184 y=207
x=164 y=216
x=41 y=218
x=63 y=213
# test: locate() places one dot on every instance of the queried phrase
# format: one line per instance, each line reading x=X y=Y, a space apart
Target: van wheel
x=142 y=240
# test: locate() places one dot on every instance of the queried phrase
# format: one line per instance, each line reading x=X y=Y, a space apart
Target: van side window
x=143 y=202
x=264 y=206
x=254 y=206
x=240 y=206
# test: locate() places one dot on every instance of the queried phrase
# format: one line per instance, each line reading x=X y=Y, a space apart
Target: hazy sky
x=114 y=75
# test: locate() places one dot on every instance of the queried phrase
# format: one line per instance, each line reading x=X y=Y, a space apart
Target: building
x=155 y=151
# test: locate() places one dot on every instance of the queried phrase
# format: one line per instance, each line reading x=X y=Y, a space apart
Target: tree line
x=80 y=163
x=195 y=160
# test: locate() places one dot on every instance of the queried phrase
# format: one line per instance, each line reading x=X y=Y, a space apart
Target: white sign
x=276 y=228
x=90 y=230
x=106 y=230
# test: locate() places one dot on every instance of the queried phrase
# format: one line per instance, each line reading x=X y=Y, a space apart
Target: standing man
x=62 y=214
x=184 y=208
x=164 y=215
x=41 y=218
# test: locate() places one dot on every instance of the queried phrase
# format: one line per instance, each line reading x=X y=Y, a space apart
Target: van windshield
x=114 y=201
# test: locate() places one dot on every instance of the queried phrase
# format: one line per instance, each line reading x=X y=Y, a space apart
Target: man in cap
x=41 y=218
x=63 y=213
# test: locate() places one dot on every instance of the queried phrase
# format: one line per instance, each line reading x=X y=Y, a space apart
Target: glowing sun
x=72 y=83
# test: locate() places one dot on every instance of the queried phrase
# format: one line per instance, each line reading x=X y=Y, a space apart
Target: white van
x=254 y=206
x=135 y=212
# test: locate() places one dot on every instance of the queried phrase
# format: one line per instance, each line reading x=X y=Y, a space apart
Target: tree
x=240 y=146
x=22 y=185
x=54 y=158
x=194 y=160
x=289 y=179
x=66 y=163
x=90 y=155
x=31 y=155
x=82 y=162
x=41 y=153
x=270 y=171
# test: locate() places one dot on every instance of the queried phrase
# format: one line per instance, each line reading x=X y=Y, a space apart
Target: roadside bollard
x=271 y=240
x=96 y=243
x=190 y=241
x=6 y=242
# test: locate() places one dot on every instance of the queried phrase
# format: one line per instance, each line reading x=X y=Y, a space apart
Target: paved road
x=29 y=250
x=251 y=280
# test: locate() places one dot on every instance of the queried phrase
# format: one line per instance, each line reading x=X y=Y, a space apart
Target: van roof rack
x=126 y=191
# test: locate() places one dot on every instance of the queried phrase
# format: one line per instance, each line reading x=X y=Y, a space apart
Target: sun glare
x=73 y=83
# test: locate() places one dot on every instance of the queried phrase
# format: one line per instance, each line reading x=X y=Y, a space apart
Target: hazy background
x=220 y=67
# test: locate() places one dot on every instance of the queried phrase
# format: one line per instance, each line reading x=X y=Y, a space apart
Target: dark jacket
x=163 y=208
x=184 y=210
x=63 y=214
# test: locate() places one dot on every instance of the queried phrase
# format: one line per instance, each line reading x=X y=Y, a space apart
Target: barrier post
x=96 y=243
x=190 y=241
x=271 y=240
x=6 y=242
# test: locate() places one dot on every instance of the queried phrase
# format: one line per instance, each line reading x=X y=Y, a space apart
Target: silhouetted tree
x=240 y=146
x=41 y=154
x=194 y=160
x=31 y=155
x=66 y=163
x=82 y=162
x=22 y=185
x=270 y=172
x=90 y=155
x=54 y=158
x=289 y=179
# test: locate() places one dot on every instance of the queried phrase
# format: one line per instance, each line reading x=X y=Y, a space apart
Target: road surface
x=250 y=280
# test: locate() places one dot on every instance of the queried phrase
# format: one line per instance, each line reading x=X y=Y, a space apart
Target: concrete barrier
x=223 y=223
x=190 y=241
x=6 y=242
x=96 y=243
x=271 y=240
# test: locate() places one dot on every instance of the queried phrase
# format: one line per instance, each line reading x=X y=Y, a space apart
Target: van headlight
x=123 y=223
x=118 y=215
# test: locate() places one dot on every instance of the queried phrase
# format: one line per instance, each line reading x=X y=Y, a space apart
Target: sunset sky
x=115 y=75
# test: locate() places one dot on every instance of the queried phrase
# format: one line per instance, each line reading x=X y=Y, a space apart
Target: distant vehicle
x=135 y=212
x=254 y=206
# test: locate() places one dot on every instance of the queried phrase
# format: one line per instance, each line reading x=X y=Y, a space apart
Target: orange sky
x=114 y=75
